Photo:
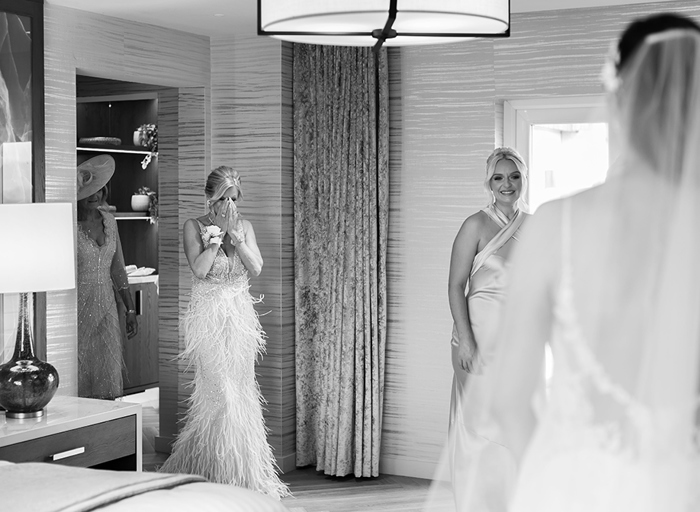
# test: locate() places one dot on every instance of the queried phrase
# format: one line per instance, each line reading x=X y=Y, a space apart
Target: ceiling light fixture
x=382 y=22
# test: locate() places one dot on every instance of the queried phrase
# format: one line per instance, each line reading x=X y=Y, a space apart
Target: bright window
x=564 y=141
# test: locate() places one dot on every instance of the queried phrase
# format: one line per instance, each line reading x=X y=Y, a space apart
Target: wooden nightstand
x=76 y=432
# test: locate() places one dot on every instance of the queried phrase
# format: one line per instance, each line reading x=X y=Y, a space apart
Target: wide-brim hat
x=93 y=174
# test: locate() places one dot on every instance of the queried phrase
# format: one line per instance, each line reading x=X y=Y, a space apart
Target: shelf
x=131 y=216
x=117 y=97
x=115 y=149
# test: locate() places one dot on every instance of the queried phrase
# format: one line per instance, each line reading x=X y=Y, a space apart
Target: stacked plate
x=115 y=141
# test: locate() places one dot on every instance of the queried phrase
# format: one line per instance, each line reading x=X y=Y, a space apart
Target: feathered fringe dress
x=224 y=437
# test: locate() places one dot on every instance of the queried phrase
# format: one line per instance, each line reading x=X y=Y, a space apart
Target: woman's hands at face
x=233 y=218
x=222 y=218
x=233 y=214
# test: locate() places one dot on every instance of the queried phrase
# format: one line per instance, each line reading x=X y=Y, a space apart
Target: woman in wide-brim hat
x=101 y=272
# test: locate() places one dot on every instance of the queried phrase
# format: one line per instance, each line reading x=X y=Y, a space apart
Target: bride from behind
x=611 y=279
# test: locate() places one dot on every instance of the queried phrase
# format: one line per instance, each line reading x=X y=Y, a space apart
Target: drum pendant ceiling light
x=382 y=22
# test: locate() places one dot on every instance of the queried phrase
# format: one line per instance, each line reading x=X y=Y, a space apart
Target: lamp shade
x=37 y=251
x=359 y=22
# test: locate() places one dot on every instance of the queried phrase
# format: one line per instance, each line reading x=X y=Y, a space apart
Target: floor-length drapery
x=340 y=238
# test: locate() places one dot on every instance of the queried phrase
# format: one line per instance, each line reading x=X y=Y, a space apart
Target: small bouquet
x=152 y=204
x=213 y=235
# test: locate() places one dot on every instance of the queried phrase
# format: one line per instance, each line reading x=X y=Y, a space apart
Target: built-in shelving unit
x=117 y=116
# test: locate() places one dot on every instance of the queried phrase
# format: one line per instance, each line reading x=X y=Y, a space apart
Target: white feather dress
x=224 y=437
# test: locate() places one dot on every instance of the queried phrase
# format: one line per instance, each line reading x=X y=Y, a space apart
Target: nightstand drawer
x=85 y=447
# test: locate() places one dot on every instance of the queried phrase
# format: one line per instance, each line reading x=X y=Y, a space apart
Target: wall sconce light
x=382 y=22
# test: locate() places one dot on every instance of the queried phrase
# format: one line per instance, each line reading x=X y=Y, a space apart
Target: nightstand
x=76 y=432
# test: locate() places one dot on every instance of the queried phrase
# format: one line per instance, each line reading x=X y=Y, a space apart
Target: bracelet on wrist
x=130 y=311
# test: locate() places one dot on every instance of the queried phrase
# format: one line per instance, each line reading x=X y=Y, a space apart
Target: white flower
x=611 y=81
x=211 y=232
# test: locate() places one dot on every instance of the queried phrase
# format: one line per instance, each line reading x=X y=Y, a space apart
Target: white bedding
x=200 y=497
x=43 y=487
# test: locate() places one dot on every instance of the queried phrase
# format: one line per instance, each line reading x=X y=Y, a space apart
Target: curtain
x=340 y=239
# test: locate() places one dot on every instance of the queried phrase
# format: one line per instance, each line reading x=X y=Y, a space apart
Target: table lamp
x=37 y=254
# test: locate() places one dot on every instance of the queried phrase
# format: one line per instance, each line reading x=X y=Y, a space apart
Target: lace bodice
x=224 y=270
x=594 y=408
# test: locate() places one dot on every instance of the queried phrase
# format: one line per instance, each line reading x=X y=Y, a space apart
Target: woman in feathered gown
x=610 y=277
x=100 y=272
x=224 y=437
x=478 y=267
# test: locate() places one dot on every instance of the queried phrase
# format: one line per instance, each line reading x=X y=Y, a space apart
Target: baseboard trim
x=407 y=467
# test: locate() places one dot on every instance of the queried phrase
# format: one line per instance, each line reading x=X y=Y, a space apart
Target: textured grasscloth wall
x=252 y=131
x=443 y=103
x=181 y=184
x=440 y=110
x=79 y=42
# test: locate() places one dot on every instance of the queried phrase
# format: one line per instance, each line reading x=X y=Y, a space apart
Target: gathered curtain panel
x=340 y=240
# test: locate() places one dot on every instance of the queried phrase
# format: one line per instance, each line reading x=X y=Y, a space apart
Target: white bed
x=44 y=487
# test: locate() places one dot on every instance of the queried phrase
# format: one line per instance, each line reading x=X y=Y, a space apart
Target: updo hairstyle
x=635 y=34
x=655 y=93
x=220 y=180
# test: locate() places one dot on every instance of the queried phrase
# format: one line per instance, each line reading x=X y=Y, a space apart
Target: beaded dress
x=224 y=437
x=100 y=271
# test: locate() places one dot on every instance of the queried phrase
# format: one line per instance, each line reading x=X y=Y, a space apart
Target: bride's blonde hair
x=220 y=180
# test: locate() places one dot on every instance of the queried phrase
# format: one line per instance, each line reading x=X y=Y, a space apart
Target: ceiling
x=216 y=18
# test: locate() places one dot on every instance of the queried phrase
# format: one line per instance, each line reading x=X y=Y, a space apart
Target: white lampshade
x=351 y=22
x=37 y=251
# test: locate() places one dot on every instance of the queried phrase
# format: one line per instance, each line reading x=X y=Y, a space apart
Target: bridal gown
x=224 y=437
x=479 y=459
x=596 y=447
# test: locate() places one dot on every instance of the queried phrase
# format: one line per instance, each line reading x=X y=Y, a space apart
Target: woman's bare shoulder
x=477 y=219
x=194 y=224
x=472 y=228
x=247 y=225
x=475 y=223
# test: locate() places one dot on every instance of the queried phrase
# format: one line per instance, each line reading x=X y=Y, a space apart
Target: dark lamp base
x=27 y=384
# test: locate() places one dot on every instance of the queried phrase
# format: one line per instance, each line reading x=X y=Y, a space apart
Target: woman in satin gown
x=479 y=269
x=610 y=279
x=224 y=437
x=101 y=272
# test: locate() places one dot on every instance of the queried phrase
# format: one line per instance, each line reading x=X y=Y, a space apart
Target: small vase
x=27 y=384
x=140 y=203
x=137 y=137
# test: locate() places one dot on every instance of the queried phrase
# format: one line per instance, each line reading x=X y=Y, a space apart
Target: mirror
x=21 y=139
